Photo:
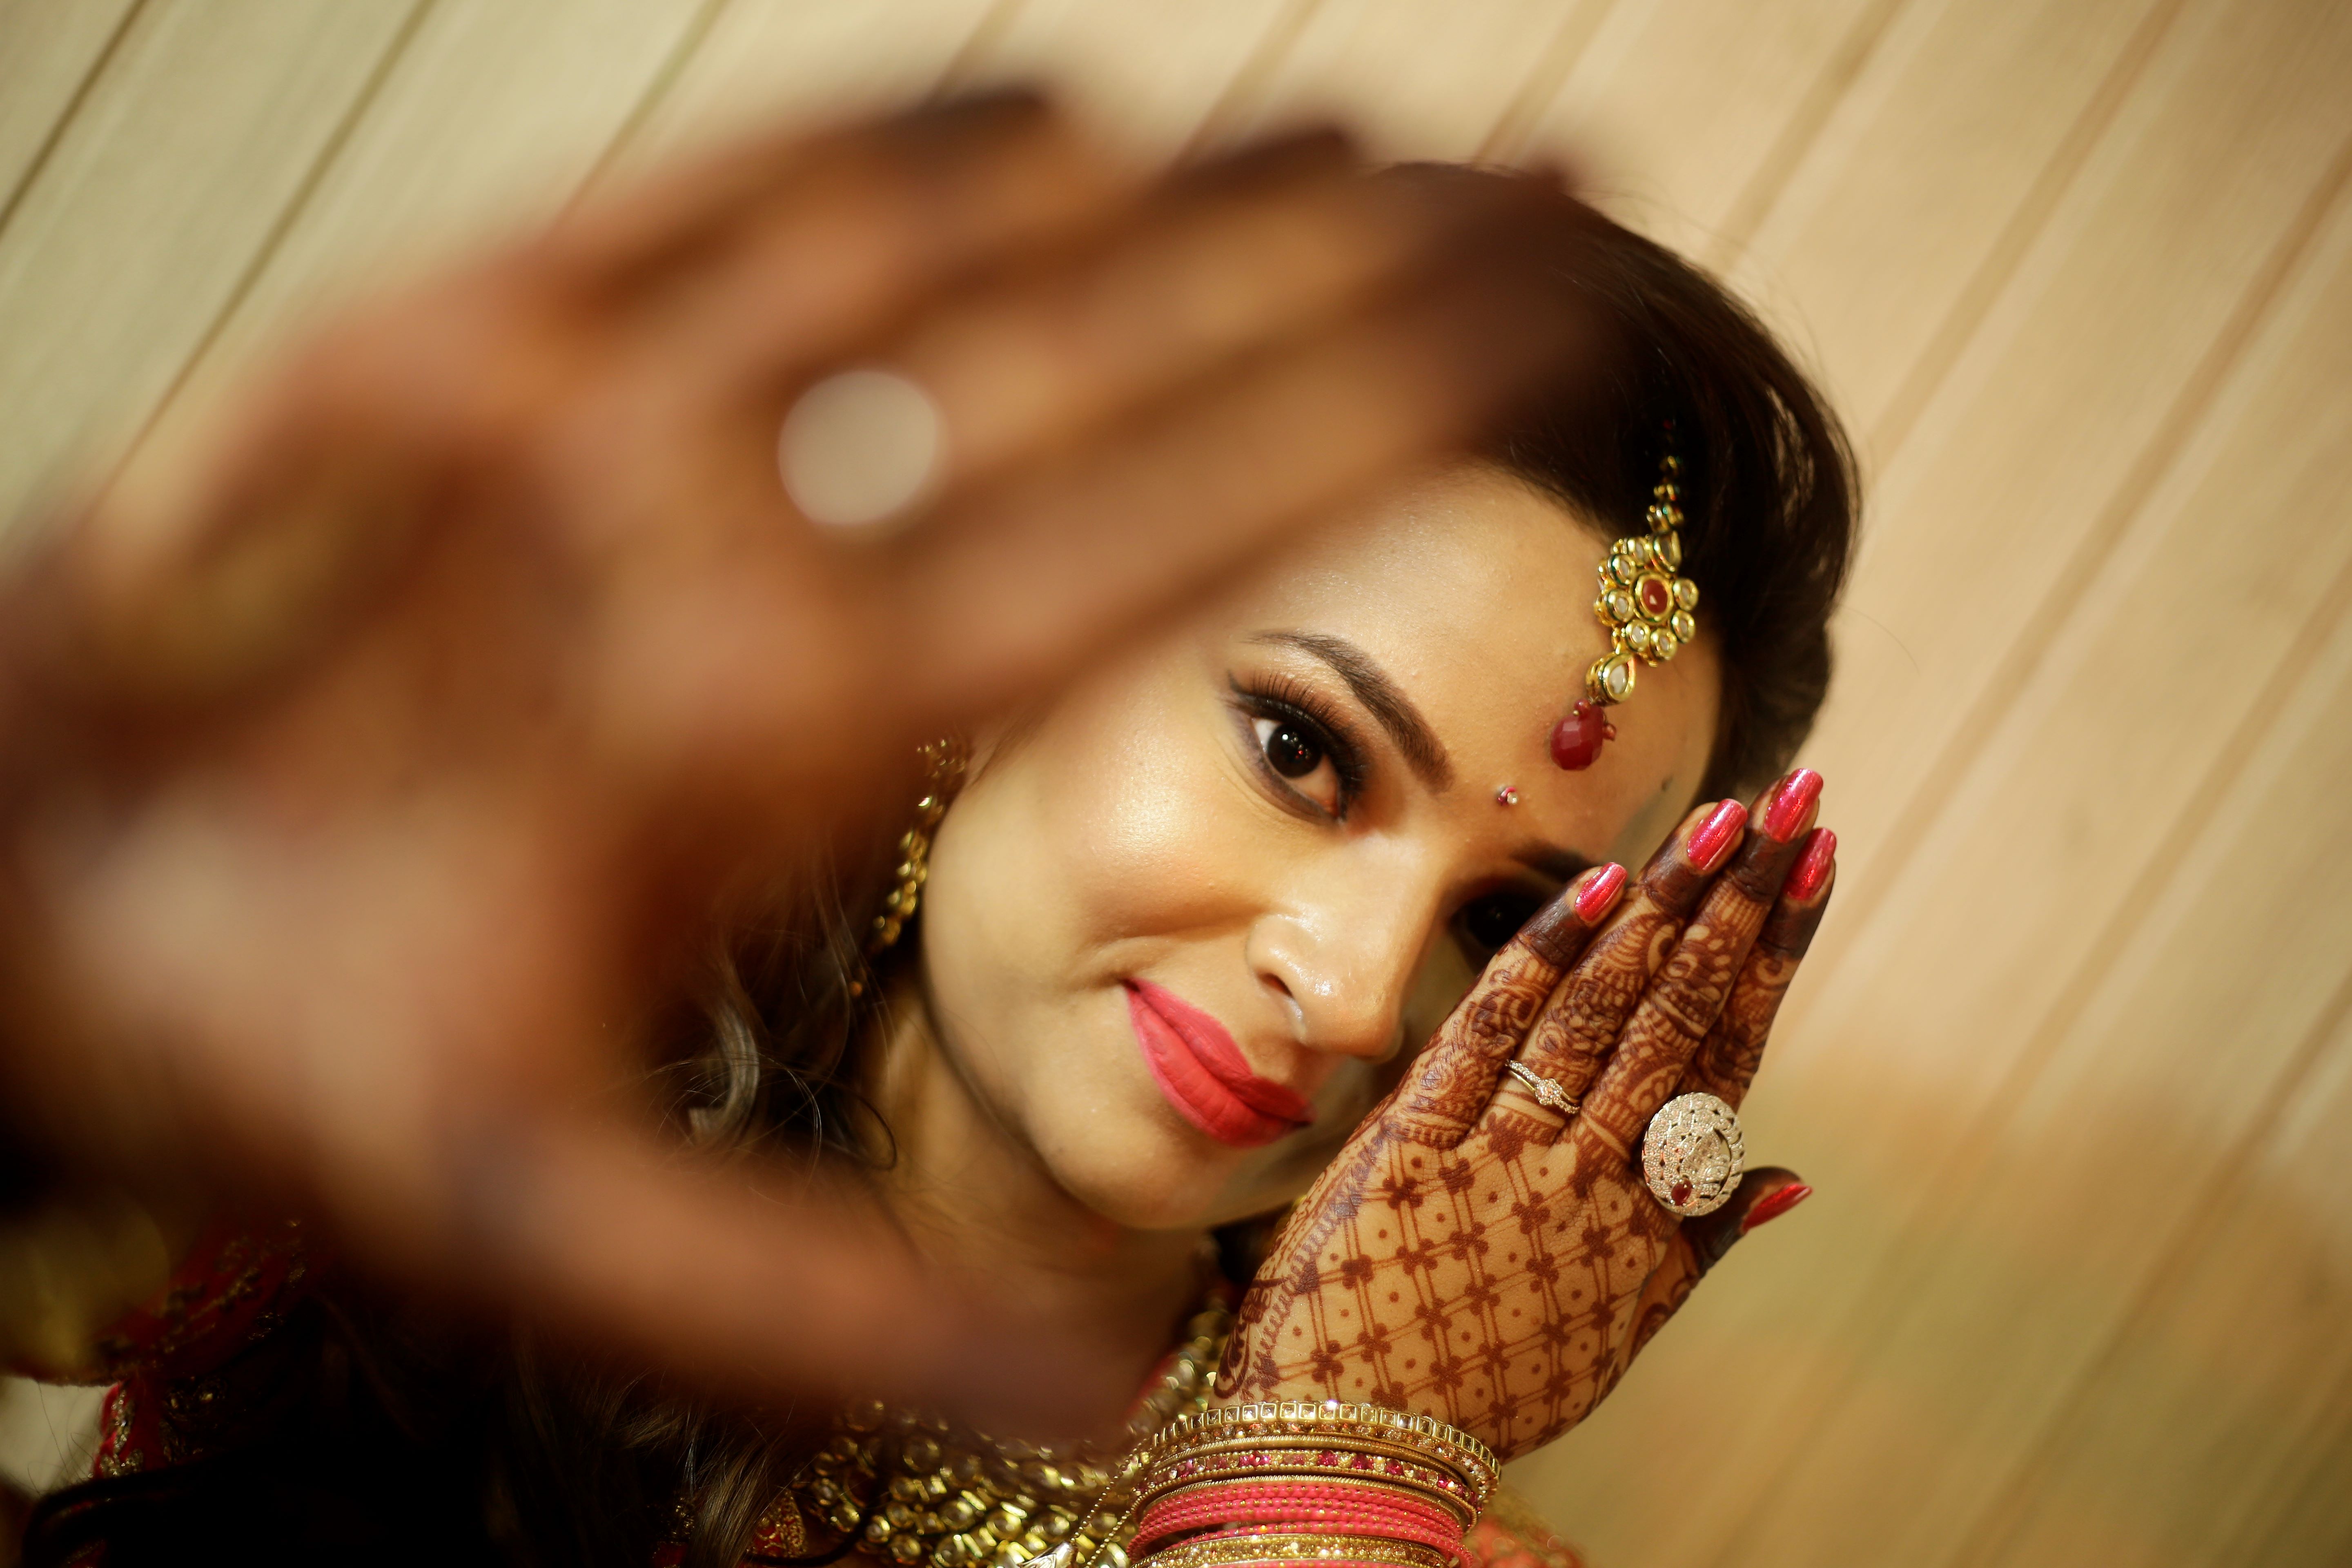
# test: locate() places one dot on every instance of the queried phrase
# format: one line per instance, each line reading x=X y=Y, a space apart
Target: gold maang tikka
x=944 y=761
x=1647 y=605
x=1644 y=601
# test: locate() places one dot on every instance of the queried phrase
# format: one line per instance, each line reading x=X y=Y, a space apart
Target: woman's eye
x=1487 y=923
x=1298 y=754
x=1294 y=755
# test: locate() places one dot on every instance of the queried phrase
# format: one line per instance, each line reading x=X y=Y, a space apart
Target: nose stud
x=1507 y=795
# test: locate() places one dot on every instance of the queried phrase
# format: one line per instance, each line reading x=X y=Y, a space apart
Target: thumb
x=1763 y=1195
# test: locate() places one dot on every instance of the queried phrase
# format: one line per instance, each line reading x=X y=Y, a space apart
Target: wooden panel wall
x=2073 y=1070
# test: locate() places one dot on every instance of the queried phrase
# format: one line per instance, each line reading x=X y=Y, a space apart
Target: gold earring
x=943 y=768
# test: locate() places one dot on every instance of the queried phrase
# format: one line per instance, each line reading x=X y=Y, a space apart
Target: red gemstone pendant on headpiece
x=1646 y=607
x=1576 y=740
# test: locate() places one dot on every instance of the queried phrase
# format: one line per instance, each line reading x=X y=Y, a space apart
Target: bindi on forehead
x=1475 y=594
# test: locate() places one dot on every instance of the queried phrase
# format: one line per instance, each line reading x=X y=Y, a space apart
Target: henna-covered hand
x=1472 y=1253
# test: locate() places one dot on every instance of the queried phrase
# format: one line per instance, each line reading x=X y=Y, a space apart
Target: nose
x=1344 y=962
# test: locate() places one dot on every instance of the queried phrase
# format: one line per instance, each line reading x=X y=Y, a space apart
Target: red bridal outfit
x=233 y=1354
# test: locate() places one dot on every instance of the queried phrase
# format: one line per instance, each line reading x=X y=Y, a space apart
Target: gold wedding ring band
x=1544 y=1089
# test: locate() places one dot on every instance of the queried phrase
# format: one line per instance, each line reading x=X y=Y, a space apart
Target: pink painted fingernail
x=1814 y=867
x=1792 y=799
x=1712 y=839
x=1595 y=897
x=1774 y=1206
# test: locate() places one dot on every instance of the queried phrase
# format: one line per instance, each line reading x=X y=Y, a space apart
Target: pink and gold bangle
x=1332 y=1508
x=1271 y=1484
x=1259 y=1486
x=1234 y=1463
x=1277 y=1498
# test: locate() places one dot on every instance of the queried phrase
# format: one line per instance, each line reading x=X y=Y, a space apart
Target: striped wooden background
x=2073 y=1070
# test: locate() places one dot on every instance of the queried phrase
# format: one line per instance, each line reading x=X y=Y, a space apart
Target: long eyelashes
x=1288 y=700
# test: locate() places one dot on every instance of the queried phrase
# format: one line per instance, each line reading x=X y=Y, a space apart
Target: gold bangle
x=1331 y=1418
x=1224 y=1551
x=1336 y=1424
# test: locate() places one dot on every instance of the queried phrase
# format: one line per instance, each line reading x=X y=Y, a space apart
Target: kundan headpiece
x=1647 y=605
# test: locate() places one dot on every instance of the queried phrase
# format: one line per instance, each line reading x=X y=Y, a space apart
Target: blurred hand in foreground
x=355 y=785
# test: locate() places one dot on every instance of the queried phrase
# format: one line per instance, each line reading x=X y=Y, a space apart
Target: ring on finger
x=1692 y=1154
x=1544 y=1088
x=861 y=448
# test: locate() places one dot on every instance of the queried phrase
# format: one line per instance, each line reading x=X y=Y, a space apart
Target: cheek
x=1648 y=829
x=1135 y=815
x=1147 y=859
x=1113 y=822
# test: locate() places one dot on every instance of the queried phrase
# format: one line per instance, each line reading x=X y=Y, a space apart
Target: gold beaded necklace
x=916 y=1492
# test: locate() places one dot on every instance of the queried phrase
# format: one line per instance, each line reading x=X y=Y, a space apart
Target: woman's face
x=1181 y=931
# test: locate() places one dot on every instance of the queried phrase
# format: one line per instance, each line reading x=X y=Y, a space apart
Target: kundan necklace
x=918 y=1491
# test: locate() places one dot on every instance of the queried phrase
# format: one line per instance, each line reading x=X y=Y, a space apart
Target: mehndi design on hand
x=1473 y=1256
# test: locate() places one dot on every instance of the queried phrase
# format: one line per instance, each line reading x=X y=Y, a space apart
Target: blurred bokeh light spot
x=859 y=448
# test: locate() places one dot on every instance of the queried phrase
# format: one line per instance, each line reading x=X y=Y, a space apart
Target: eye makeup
x=1288 y=701
x=1483 y=922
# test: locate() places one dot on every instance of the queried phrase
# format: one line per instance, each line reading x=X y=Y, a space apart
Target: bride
x=1294 y=999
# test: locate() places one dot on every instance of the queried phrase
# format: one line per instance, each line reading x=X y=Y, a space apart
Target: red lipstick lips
x=1204 y=1075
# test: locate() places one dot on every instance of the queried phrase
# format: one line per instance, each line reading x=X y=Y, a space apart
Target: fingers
x=1296 y=399
x=1682 y=1004
x=840 y=264
x=1450 y=1086
x=1221 y=262
x=1579 y=1024
x=1763 y=1195
x=1295 y=389
x=513 y=376
x=1727 y=1060
x=1093 y=551
x=997 y=158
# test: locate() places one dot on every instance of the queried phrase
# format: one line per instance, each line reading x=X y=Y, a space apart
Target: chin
x=1141 y=1200
x=1168 y=1179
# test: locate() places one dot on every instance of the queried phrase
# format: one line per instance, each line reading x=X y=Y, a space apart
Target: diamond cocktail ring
x=1692 y=1154
x=1544 y=1089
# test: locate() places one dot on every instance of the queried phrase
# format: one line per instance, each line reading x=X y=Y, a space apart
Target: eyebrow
x=1381 y=698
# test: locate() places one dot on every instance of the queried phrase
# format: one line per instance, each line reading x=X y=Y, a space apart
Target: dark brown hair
x=1768 y=479
x=499 y=1452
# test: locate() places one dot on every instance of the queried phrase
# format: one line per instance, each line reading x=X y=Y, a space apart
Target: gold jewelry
x=1643 y=602
x=920 y=1491
x=944 y=761
x=1422 y=1438
x=1390 y=1472
x=1224 y=1551
x=1692 y=1154
x=1544 y=1089
x=1333 y=1457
